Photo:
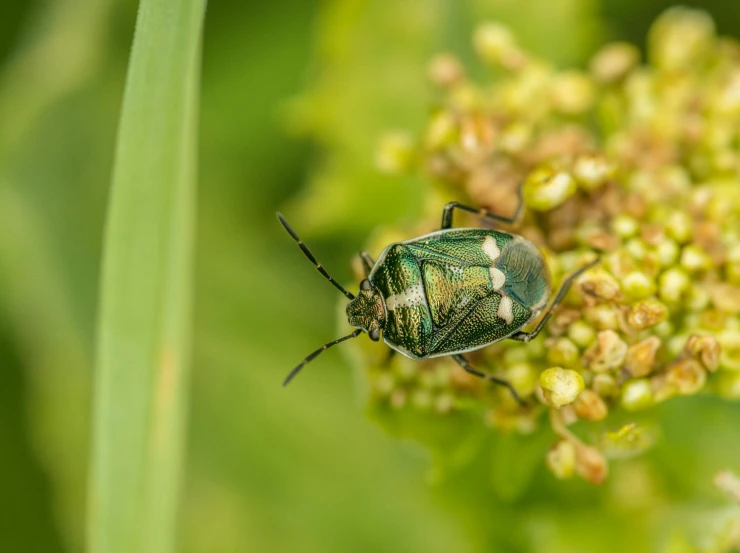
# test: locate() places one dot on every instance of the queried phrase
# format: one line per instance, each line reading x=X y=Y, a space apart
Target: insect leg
x=450 y=207
x=527 y=336
x=500 y=381
x=367 y=263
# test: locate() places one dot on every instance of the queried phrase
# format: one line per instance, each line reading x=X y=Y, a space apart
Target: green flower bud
x=560 y=386
x=706 y=350
x=605 y=385
x=636 y=285
x=640 y=359
x=495 y=44
x=625 y=226
x=581 y=333
x=445 y=70
x=589 y=406
x=607 y=353
x=647 y=313
x=694 y=259
x=637 y=394
x=546 y=188
x=614 y=61
x=680 y=39
x=561 y=460
x=592 y=171
x=563 y=352
x=673 y=284
x=571 y=92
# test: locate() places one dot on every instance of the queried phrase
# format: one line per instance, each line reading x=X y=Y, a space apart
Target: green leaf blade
x=143 y=348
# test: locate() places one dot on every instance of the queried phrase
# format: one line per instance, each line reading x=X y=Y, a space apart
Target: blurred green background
x=294 y=97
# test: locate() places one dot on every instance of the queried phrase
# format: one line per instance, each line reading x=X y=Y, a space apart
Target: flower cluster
x=635 y=162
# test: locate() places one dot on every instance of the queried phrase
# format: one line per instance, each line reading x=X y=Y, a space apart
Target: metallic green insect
x=449 y=292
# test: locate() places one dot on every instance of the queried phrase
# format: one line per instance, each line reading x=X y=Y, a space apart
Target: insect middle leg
x=527 y=336
x=480 y=374
x=450 y=207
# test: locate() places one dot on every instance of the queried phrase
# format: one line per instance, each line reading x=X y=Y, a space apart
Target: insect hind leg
x=495 y=379
x=528 y=336
x=450 y=207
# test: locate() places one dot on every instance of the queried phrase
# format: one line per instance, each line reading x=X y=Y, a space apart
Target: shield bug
x=449 y=292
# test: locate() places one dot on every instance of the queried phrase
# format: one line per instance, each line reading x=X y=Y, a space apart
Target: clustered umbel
x=635 y=162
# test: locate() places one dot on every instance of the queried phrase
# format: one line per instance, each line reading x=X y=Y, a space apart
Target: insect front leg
x=367 y=263
x=495 y=379
x=527 y=336
x=450 y=207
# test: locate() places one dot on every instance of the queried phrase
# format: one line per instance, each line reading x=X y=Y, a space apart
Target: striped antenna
x=310 y=256
x=316 y=353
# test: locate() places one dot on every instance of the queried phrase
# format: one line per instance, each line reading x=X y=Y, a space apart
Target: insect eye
x=374 y=334
x=365 y=285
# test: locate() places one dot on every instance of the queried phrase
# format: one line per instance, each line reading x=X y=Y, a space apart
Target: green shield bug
x=449 y=292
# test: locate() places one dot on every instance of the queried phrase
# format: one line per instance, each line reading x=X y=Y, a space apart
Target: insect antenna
x=315 y=354
x=310 y=256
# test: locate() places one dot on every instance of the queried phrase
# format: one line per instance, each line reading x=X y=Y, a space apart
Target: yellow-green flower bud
x=581 y=333
x=614 y=61
x=561 y=460
x=522 y=377
x=680 y=39
x=441 y=131
x=571 y=92
x=444 y=403
x=686 y=376
x=679 y=226
x=647 y=313
x=705 y=349
x=694 y=259
x=590 y=464
x=422 y=399
x=560 y=386
x=600 y=285
x=625 y=226
x=603 y=316
x=667 y=251
x=673 y=284
x=495 y=44
x=640 y=359
x=636 y=285
x=384 y=383
x=605 y=385
x=590 y=406
x=592 y=171
x=637 y=394
x=445 y=70
x=546 y=188
x=563 y=353
x=607 y=353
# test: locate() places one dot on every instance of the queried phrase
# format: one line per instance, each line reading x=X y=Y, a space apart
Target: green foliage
x=142 y=368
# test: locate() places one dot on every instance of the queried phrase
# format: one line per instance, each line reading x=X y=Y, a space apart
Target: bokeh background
x=294 y=97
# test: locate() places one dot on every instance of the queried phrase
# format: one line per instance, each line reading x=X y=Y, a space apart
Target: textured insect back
x=660 y=317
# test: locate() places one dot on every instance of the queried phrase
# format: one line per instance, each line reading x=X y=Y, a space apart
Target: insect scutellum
x=450 y=292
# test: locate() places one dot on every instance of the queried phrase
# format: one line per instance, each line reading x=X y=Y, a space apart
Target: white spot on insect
x=411 y=296
x=498 y=278
x=455 y=270
x=506 y=309
x=490 y=248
